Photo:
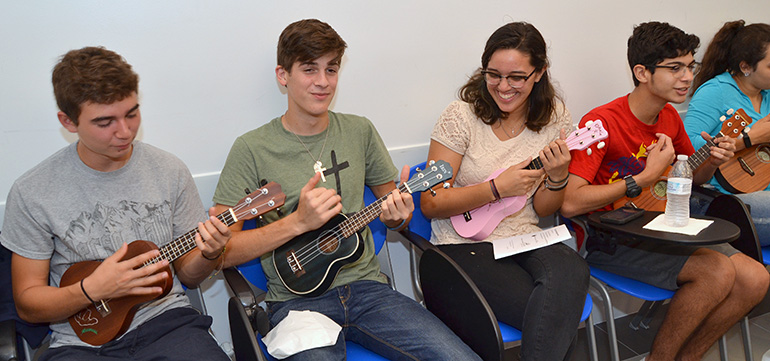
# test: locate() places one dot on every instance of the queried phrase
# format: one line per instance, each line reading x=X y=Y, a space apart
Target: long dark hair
x=734 y=43
x=525 y=38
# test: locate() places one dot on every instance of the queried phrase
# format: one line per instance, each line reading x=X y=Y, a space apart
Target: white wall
x=207 y=67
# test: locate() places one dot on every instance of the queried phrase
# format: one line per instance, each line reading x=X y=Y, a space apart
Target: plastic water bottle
x=678 y=193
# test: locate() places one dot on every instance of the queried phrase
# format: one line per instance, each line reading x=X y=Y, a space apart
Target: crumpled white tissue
x=300 y=331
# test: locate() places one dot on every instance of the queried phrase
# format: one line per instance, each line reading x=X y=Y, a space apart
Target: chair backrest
x=731 y=208
x=419 y=224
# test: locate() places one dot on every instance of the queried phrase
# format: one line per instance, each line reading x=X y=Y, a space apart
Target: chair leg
x=723 y=348
x=610 y=319
x=746 y=335
x=591 y=336
x=641 y=316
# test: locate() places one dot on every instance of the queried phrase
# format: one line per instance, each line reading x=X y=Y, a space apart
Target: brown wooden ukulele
x=106 y=319
x=748 y=171
x=653 y=198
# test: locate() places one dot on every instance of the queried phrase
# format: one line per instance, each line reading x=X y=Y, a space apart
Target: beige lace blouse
x=483 y=153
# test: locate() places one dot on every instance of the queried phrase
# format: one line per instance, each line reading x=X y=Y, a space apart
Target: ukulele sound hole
x=329 y=244
x=763 y=154
x=659 y=189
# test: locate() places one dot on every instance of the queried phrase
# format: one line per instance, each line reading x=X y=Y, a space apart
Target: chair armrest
x=244 y=292
x=417 y=240
x=731 y=208
x=245 y=344
x=242 y=288
x=8 y=344
x=453 y=297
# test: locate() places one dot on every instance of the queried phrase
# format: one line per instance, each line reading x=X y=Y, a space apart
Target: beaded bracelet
x=494 y=190
x=556 y=187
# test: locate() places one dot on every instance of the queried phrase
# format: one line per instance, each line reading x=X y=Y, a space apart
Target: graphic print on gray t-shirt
x=109 y=227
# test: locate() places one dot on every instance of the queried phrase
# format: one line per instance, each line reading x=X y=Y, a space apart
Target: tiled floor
x=635 y=344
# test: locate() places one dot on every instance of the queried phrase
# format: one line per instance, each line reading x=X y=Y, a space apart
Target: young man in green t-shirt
x=339 y=154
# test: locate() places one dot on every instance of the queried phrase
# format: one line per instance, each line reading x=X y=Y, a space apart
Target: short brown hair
x=307 y=40
x=91 y=74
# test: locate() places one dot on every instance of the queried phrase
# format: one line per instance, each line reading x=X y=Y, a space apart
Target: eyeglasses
x=678 y=69
x=515 y=81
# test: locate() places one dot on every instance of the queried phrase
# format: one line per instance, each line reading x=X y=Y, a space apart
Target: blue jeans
x=541 y=292
x=758 y=202
x=382 y=320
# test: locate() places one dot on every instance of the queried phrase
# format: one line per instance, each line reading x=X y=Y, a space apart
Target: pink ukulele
x=479 y=223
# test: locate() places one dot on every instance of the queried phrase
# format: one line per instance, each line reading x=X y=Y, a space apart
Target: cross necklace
x=318 y=166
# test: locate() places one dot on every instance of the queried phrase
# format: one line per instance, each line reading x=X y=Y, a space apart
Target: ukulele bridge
x=745 y=166
x=103 y=308
x=294 y=264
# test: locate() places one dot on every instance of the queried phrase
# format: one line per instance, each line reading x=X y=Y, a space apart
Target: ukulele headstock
x=260 y=201
x=734 y=125
x=434 y=173
x=582 y=138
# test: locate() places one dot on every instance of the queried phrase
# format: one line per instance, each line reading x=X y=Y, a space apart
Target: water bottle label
x=679 y=186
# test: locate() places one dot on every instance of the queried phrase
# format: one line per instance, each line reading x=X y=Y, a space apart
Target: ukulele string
x=310 y=251
x=186 y=242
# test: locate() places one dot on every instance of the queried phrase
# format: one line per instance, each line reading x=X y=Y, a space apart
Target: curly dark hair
x=734 y=43
x=653 y=42
x=91 y=74
x=527 y=39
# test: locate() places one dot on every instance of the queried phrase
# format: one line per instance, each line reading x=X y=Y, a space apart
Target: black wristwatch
x=632 y=189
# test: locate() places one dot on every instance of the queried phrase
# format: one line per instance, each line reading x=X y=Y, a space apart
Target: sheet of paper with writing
x=509 y=246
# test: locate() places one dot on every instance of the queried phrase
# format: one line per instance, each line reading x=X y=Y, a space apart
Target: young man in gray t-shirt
x=87 y=202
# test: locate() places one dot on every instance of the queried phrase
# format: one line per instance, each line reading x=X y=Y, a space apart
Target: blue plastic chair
x=419 y=232
x=243 y=328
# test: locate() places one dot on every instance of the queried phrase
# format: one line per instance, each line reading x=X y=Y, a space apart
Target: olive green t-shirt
x=354 y=156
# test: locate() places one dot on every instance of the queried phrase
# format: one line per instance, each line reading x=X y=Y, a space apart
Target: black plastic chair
x=17 y=337
x=450 y=294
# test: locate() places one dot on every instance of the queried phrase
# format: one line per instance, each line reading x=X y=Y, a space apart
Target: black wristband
x=746 y=140
x=84 y=291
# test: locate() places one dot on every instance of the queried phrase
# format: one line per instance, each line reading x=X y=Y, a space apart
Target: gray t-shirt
x=67 y=212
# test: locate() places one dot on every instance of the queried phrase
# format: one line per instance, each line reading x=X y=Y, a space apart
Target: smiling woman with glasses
x=514 y=80
x=489 y=137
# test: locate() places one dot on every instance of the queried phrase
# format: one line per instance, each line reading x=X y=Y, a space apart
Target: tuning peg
x=247 y=190
x=279 y=211
x=432 y=162
x=260 y=221
x=746 y=130
x=730 y=111
x=446 y=185
x=263 y=182
x=722 y=119
x=432 y=192
x=589 y=123
x=600 y=145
